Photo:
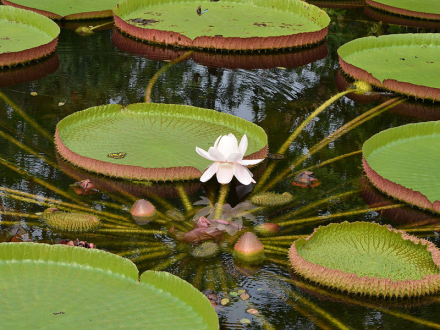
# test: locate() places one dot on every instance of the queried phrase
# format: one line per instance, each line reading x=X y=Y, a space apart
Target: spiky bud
x=272 y=199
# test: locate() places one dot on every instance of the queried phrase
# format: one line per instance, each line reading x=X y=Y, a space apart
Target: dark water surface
x=281 y=92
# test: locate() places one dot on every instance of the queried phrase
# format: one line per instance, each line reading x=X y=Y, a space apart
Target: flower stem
x=162 y=70
x=184 y=197
x=221 y=200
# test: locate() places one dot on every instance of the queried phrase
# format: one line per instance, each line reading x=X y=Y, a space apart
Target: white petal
x=243 y=144
x=235 y=157
x=225 y=146
x=217 y=141
x=216 y=155
x=247 y=162
x=204 y=154
x=210 y=171
x=225 y=173
x=243 y=174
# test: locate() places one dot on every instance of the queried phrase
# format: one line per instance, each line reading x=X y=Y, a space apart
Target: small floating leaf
x=245 y=321
x=224 y=301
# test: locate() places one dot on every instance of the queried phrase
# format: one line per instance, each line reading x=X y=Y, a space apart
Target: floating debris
x=306 y=179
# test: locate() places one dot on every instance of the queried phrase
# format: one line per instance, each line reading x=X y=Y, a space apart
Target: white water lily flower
x=228 y=160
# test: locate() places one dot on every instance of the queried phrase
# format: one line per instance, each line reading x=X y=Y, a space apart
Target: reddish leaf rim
x=401 y=11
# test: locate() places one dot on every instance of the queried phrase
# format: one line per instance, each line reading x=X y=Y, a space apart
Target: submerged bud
x=249 y=249
x=84 y=31
x=142 y=211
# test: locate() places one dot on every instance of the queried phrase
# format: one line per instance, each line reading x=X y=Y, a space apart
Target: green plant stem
x=27 y=149
x=144 y=250
x=338 y=215
x=420 y=230
x=221 y=276
x=37 y=199
x=295 y=134
x=101 y=25
x=18 y=214
x=153 y=256
x=167 y=263
x=316 y=204
x=329 y=161
x=197 y=280
x=162 y=70
x=132 y=231
x=275 y=249
x=351 y=301
x=279 y=239
x=28 y=119
x=351 y=125
x=221 y=200
x=184 y=197
x=336 y=134
x=38 y=180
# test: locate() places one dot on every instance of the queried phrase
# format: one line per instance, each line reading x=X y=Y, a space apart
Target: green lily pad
x=428 y=9
x=403 y=162
x=149 y=141
x=25 y=36
x=67 y=9
x=404 y=63
x=56 y=287
x=368 y=259
x=226 y=24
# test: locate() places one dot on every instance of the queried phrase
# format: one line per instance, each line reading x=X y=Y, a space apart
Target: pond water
x=277 y=95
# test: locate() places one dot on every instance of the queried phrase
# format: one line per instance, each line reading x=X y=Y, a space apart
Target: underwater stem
x=339 y=215
x=26 y=117
x=162 y=70
x=221 y=200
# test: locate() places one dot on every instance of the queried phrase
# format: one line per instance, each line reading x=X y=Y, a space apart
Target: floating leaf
x=160 y=136
x=404 y=63
x=368 y=259
x=65 y=9
x=93 y=289
x=245 y=321
x=403 y=162
x=224 y=301
x=261 y=23
x=428 y=9
x=25 y=36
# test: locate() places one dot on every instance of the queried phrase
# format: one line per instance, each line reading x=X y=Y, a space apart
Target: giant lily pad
x=428 y=9
x=368 y=259
x=148 y=141
x=227 y=24
x=56 y=287
x=403 y=162
x=67 y=9
x=404 y=63
x=25 y=36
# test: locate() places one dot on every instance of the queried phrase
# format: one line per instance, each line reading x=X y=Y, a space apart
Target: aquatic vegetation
x=228 y=160
x=402 y=162
x=70 y=221
x=394 y=62
x=263 y=25
x=88 y=139
x=271 y=199
x=249 y=249
x=368 y=259
x=33 y=36
x=67 y=10
x=84 y=278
